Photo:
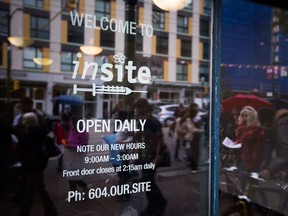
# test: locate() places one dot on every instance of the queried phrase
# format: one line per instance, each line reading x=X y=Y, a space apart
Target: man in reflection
x=34 y=161
x=152 y=136
x=279 y=164
x=8 y=156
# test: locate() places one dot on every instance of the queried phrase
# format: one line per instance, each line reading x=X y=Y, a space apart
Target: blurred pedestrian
x=266 y=118
x=250 y=134
x=61 y=131
x=74 y=160
x=178 y=137
x=191 y=135
x=26 y=106
x=228 y=124
x=152 y=136
x=34 y=161
x=178 y=113
x=8 y=155
x=280 y=135
x=123 y=136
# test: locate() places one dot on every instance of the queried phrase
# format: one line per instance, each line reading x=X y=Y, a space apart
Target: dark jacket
x=151 y=136
x=252 y=147
x=280 y=162
x=33 y=156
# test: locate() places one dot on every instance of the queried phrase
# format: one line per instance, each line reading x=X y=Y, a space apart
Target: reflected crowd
x=24 y=156
x=254 y=152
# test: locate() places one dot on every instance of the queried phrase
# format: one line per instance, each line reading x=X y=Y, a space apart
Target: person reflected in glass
x=190 y=124
x=280 y=135
x=123 y=136
x=179 y=137
x=74 y=160
x=61 y=130
x=34 y=161
x=250 y=134
x=228 y=125
x=152 y=136
x=8 y=155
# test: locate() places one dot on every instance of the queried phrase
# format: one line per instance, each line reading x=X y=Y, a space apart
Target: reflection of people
x=26 y=106
x=191 y=135
x=152 y=136
x=61 y=131
x=123 y=137
x=229 y=123
x=179 y=137
x=34 y=161
x=118 y=108
x=280 y=162
x=266 y=118
x=177 y=113
x=7 y=153
x=249 y=134
x=228 y=127
x=74 y=160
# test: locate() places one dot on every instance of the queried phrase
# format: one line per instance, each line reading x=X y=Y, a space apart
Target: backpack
x=50 y=147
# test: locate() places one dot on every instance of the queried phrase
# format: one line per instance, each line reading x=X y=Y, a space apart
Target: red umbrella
x=241 y=100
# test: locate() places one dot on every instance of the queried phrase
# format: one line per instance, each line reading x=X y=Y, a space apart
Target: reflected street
x=176 y=179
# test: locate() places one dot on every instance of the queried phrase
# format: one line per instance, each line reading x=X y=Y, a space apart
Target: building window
x=182 y=72
x=204 y=28
x=4 y=22
x=139 y=42
x=39 y=27
x=206 y=50
x=189 y=7
x=207 y=7
x=182 y=24
x=186 y=48
x=28 y=54
x=34 y=3
x=75 y=34
x=67 y=59
x=158 y=19
x=1 y=54
x=204 y=72
x=107 y=39
x=102 y=8
x=162 y=45
x=100 y=60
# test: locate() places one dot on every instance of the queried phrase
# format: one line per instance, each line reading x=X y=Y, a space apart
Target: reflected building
x=254 y=50
x=177 y=51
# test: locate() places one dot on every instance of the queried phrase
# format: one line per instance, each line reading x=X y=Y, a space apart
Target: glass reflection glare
x=171 y=5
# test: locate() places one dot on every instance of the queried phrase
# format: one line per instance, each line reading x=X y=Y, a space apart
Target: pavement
x=186 y=192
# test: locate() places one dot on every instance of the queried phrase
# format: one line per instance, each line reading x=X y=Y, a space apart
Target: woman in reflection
x=74 y=160
x=34 y=162
x=250 y=134
x=152 y=136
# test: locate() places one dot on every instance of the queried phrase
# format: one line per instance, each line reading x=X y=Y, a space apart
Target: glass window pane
x=4 y=22
x=146 y=53
x=253 y=51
